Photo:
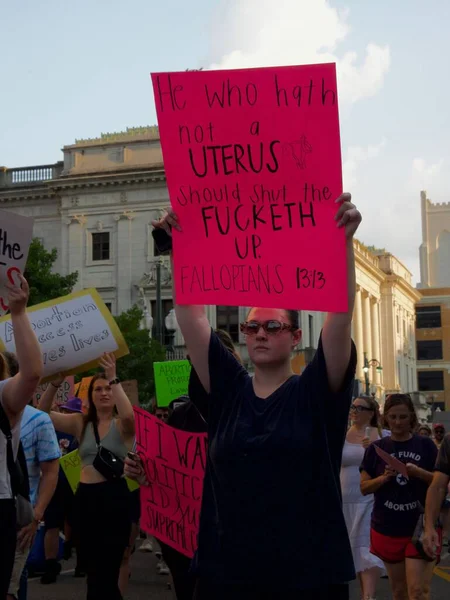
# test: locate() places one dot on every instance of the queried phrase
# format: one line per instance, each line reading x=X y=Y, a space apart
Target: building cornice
x=52 y=188
x=409 y=290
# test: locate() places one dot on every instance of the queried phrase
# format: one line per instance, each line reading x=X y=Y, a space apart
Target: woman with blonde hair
x=365 y=428
x=105 y=435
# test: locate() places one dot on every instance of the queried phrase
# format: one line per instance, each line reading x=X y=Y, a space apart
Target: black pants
x=103 y=525
x=8 y=536
x=179 y=565
x=206 y=590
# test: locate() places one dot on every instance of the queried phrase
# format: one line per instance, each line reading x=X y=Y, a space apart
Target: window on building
x=228 y=319
x=108 y=305
x=428 y=317
x=429 y=350
x=399 y=374
x=430 y=381
x=398 y=324
x=311 y=330
x=100 y=246
x=404 y=328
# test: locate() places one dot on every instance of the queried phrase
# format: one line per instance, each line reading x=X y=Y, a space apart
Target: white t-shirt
x=5 y=485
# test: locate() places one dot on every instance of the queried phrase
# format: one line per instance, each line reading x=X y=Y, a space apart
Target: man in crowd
x=42 y=454
x=439 y=434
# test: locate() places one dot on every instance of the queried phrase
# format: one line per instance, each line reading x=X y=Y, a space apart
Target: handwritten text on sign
x=65 y=391
x=16 y=232
x=174 y=464
x=253 y=166
x=73 y=331
x=171 y=380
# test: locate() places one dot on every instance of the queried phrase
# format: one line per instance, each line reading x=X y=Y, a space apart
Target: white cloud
x=354 y=156
x=256 y=33
x=424 y=171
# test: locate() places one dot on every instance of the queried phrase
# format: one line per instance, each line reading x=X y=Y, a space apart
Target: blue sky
x=74 y=70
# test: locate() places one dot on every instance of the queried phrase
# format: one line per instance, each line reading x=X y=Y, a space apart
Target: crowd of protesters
x=294 y=464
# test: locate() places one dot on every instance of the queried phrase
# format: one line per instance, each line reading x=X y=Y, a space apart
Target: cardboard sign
x=393 y=462
x=253 y=165
x=71 y=465
x=174 y=463
x=131 y=390
x=16 y=233
x=73 y=331
x=171 y=380
x=82 y=389
x=65 y=391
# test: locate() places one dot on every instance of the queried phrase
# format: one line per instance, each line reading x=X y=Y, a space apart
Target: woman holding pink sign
x=398 y=470
x=271 y=499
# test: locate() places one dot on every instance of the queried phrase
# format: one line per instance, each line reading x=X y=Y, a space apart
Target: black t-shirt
x=398 y=503
x=272 y=498
x=443 y=461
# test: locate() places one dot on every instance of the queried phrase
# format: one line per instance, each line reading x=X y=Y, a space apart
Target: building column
x=77 y=255
x=376 y=350
x=367 y=331
x=123 y=259
x=358 y=333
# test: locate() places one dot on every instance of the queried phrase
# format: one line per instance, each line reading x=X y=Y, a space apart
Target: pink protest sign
x=175 y=465
x=253 y=166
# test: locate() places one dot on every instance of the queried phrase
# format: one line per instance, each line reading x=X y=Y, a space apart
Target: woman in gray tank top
x=103 y=504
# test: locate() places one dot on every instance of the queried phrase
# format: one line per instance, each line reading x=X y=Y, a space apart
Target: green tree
x=144 y=351
x=45 y=284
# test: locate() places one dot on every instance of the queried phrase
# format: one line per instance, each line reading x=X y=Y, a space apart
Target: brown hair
x=91 y=415
x=226 y=340
x=4 y=371
x=399 y=400
x=375 y=421
x=292 y=315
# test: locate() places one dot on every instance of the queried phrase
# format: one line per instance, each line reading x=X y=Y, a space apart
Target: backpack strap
x=18 y=471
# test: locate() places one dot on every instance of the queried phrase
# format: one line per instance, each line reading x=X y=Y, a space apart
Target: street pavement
x=146 y=584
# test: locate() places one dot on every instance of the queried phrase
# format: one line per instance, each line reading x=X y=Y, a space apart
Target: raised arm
x=71 y=424
x=336 y=335
x=193 y=322
x=20 y=388
x=121 y=400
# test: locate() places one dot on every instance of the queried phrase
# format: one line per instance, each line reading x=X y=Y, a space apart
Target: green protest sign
x=71 y=465
x=171 y=380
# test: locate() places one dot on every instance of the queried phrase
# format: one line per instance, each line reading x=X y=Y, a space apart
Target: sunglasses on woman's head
x=359 y=408
x=271 y=327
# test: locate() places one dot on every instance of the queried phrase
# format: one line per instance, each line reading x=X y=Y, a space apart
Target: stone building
x=433 y=310
x=383 y=324
x=435 y=247
x=96 y=208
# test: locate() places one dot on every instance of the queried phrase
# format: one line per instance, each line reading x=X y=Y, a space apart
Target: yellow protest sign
x=73 y=331
x=71 y=465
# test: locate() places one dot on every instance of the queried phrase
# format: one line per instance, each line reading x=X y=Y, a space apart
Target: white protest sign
x=16 y=232
x=73 y=331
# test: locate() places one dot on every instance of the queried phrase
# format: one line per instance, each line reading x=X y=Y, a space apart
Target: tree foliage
x=144 y=351
x=44 y=284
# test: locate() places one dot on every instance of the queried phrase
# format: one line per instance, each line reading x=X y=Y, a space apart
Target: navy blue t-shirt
x=399 y=502
x=272 y=498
